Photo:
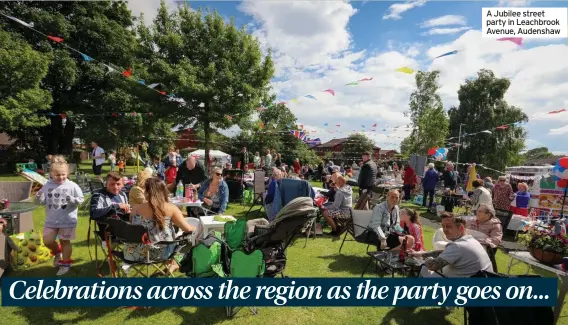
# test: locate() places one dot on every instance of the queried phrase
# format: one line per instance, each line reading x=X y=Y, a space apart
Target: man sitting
x=463 y=256
x=110 y=200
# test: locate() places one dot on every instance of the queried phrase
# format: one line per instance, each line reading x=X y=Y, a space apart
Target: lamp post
x=459 y=145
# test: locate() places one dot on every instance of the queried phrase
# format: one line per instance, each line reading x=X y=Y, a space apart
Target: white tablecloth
x=209 y=224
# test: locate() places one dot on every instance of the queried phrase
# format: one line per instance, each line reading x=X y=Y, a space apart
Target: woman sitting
x=136 y=195
x=159 y=217
x=522 y=200
x=337 y=214
x=481 y=195
x=214 y=192
x=487 y=223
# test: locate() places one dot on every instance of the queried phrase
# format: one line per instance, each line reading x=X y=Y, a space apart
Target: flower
x=545 y=240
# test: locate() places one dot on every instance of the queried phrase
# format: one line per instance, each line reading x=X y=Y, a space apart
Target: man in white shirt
x=98 y=155
x=463 y=256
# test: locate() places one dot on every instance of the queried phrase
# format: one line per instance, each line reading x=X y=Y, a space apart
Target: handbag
x=369 y=236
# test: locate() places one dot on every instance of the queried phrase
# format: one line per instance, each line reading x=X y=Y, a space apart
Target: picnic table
x=524 y=256
x=11 y=215
x=388 y=260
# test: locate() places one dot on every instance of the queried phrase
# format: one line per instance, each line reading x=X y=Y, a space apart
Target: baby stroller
x=249 y=249
x=234 y=180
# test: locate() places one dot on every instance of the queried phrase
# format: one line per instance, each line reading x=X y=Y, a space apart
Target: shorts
x=341 y=217
x=97 y=169
x=63 y=233
x=392 y=241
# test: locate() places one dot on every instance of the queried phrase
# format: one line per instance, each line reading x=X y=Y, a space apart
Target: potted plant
x=545 y=246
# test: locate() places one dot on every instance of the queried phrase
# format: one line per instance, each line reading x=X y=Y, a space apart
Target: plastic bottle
x=188 y=192
x=402 y=253
x=179 y=190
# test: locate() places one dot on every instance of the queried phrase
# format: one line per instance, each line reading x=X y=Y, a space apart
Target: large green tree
x=483 y=107
x=217 y=68
x=537 y=153
x=21 y=97
x=429 y=121
x=355 y=145
x=88 y=92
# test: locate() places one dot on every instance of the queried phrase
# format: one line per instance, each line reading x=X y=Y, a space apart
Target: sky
x=320 y=45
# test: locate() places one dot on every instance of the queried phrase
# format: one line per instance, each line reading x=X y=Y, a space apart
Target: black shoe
x=335 y=234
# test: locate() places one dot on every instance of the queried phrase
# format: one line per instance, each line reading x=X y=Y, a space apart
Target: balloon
x=563 y=174
x=432 y=151
x=563 y=162
x=442 y=151
x=562 y=183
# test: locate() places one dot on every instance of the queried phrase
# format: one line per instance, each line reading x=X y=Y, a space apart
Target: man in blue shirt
x=429 y=183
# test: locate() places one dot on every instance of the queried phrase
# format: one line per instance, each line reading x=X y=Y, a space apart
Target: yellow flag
x=405 y=70
x=295 y=100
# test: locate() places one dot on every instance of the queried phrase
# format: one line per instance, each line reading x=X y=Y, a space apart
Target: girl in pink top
x=409 y=220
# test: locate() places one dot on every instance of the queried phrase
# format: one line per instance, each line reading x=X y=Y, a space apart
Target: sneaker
x=56 y=260
x=63 y=270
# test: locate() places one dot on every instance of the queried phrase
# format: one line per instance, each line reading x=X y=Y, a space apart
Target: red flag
x=373 y=130
x=162 y=92
x=556 y=112
x=113 y=114
x=338 y=125
x=63 y=115
x=375 y=125
x=55 y=39
x=502 y=127
x=127 y=73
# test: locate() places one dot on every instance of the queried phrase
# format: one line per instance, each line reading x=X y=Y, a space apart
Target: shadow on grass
x=409 y=316
x=349 y=263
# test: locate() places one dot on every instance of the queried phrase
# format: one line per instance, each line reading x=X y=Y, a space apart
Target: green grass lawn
x=319 y=259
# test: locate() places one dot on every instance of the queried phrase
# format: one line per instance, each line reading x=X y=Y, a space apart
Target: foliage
x=20 y=94
x=537 y=153
x=101 y=29
x=545 y=240
x=482 y=106
x=355 y=145
x=429 y=120
x=218 y=69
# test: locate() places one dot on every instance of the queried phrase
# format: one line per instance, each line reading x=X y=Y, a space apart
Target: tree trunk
x=207 y=131
x=54 y=135
x=66 y=141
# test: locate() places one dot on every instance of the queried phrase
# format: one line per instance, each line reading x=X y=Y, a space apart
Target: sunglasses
x=219 y=174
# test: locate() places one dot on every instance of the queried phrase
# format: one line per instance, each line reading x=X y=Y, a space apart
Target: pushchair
x=256 y=248
x=234 y=180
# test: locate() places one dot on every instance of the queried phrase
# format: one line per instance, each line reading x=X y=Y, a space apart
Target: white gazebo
x=218 y=157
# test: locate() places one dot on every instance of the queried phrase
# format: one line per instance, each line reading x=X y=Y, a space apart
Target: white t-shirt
x=172 y=156
x=466 y=257
x=97 y=152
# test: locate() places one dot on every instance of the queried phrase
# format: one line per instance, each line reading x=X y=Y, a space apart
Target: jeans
x=426 y=194
x=407 y=188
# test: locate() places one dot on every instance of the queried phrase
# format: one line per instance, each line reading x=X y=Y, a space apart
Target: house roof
x=384 y=152
x=6 y=140
x=332 y=143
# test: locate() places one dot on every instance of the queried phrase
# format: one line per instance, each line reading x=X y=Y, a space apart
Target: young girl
x=121 y=165
x=409 y=220
x=61 y=198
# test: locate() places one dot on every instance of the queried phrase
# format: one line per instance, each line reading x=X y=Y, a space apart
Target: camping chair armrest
x=169 y=242
x=439 y=273
x=184 y=235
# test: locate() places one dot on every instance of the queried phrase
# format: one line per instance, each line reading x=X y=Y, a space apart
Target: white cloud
x=444 y=21
x=514 y=3
x=559 y=131
x=149 y=8
x=397 y=9
x=445 y=31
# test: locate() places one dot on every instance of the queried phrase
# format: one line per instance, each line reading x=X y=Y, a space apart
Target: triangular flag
x=127 y=73
x=142 y=82
x=229 y=117
x=162 y=92
x=405 y=70
x=502 y=127
x=516 y=40
x=352 y=84
x=110 y=69
x=329 y=91
x=556 y=112
x=338 y=125
x=55 y=38
x=375 y=125
x=325 y=124
x=154 y=85
x=275 y=125
x=20 y=21
x=86 y=57
x=446 y=54
x=282 y=103
x=310 y=96
x=294 y=100
x=366 y=79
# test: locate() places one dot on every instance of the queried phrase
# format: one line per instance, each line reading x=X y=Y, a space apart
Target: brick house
x=335 y=146
x=387 y=154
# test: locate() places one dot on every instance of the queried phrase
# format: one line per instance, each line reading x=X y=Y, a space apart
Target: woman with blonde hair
x=136 y=195
x=338 y=213
x=214 y=192
x=159 y=217
x=522 y=200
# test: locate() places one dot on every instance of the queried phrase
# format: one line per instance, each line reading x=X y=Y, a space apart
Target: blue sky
x=325 y=44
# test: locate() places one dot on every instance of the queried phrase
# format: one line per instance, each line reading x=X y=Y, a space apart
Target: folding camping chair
x=356 y=226
x=37 y=180
x=259 y=189
x=137 y=234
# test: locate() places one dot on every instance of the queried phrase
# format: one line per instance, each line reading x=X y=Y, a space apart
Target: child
x=61 y=198
x=409 y=220
x=171 y=173
x=112 y=160
x=121 y=165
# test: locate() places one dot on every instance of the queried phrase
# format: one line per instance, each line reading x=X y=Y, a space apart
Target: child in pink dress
x=409 y=220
